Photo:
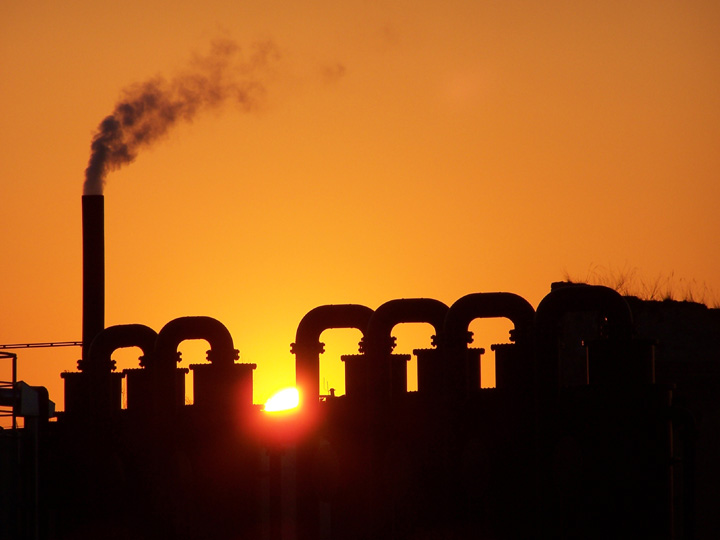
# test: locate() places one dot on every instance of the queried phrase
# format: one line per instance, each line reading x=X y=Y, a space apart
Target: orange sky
x=401 y=149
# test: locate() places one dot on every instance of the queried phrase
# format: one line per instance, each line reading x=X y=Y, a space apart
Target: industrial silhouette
x=588 y=434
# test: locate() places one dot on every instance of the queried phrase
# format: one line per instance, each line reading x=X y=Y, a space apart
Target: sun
x=283 y=400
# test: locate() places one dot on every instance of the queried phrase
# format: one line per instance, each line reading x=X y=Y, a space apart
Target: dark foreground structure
x=603 y=424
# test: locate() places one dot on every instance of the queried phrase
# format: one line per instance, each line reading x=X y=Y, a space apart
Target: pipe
x=167 y=382
x=608 y=302
x=379 y=343
x=402 y=310
x=485 y=306
x=93 y=237
x=117 y=337
x=632 y=420
x=462 y=371
x=307 y=347
x=222 y=351
x=97 y=389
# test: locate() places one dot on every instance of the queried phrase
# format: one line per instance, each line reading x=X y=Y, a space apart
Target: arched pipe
x=548 y=318
x=463 y=371
x=116 y=337
x=222 y=351
x=379 y=343
x=485 y=306
x=604 y=300
x=307 y=346
x=402 y=310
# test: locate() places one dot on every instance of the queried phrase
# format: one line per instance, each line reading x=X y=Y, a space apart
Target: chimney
x=93 y=230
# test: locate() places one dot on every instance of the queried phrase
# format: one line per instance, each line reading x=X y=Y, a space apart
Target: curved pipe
x=608 y=302
x=402 y=310
x=116 y=337
x=307 y=347
x=379 y=343
x=222 y=351
x=485 y=306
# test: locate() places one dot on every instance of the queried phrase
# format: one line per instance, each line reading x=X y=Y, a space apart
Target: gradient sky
x=400 y=149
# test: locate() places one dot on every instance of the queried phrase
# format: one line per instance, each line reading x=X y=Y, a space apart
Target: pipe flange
x=96 y=367
x=223 y=357
x=317 y=347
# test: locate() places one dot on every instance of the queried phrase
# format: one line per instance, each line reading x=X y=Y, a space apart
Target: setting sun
x=283 y=400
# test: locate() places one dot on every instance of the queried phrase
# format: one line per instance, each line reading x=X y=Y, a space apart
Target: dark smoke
x=147 y=111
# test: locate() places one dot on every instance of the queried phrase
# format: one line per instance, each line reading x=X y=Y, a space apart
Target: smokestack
x=93 y=231
x=144 y=114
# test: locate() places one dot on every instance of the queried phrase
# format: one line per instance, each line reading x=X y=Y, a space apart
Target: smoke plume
x=147 y=110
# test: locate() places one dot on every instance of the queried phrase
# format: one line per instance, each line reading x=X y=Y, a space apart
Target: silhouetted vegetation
x=628 y=281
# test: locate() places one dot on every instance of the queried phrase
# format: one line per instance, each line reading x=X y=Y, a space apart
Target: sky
x=379 y=150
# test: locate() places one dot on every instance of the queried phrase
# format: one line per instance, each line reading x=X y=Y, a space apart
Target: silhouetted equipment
x=307 y=346
x=388 y=372
x=513 y=370
x=604 y=450
x=94 y=388
x=118 y=337
x=93 y=236
x=577 y=440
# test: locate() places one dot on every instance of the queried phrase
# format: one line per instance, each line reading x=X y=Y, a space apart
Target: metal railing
x=7 y=388
x=45 y=344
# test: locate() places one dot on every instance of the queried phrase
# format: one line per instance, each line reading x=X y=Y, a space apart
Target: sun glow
x=283 y=400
